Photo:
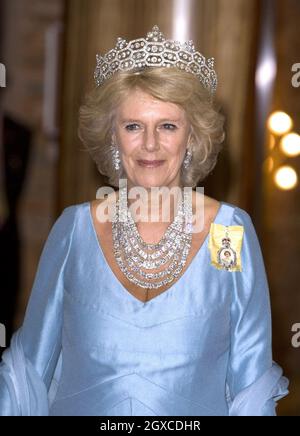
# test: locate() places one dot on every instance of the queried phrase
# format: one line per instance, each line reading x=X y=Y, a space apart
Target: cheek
x=175 y=149
x=127 y=144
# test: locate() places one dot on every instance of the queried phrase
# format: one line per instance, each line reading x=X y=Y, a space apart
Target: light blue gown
x=89 y=347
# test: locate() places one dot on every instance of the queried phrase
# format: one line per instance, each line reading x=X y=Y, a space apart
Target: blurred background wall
x=49 y=48
x=30 y=153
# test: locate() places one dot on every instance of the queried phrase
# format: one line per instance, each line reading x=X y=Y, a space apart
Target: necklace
x=137 y=259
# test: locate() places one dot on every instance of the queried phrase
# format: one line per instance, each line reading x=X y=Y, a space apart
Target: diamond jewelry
x=117 y=161
x=137 y=259
x=115 y=156
x=188 y=159
x=155 y=51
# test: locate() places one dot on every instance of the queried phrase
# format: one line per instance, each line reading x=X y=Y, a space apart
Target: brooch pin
x=225 y=245
x=226 y=255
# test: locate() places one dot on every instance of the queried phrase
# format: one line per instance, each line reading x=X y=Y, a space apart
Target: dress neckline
x=169 y=290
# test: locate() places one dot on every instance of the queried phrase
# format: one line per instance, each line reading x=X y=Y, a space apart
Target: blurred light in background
x=266 y=71
x=290 y=144
x=280 y=123
x=268 y=165
x=286 y=178
x=182 y=19
x=272 y=142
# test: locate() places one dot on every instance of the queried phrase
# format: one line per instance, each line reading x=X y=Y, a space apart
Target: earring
x=115 y=156
x=188 y=158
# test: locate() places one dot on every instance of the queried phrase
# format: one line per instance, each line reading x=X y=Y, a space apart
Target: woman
x=132 y=316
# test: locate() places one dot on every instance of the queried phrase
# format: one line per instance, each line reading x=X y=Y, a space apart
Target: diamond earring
x=187 y=159
x=115 y=156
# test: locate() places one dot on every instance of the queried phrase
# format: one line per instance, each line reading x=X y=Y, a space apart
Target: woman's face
x=152 y=137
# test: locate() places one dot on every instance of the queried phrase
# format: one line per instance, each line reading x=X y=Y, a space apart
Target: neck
x=154 y=205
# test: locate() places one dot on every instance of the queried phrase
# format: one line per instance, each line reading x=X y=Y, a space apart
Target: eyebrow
x=131 y=120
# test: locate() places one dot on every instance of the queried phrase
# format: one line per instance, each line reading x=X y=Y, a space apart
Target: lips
x=150 y=163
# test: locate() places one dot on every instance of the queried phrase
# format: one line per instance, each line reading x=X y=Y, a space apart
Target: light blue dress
x=89 y=347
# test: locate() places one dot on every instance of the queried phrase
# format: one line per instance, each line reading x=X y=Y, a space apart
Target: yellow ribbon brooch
x=225 y=243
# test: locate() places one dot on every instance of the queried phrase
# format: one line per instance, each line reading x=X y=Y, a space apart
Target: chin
x=148 y=182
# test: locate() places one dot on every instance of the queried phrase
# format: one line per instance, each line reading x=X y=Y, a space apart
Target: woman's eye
x=131 y=127
x=169 y=126
x=166 y=126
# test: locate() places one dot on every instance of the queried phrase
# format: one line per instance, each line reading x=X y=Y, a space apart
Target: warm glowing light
x=268 y=165
x=280 y=123
x=290 y=144
x=272 y=142
x=286 y=178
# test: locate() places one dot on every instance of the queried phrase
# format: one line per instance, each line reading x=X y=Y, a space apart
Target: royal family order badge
x=225 y=243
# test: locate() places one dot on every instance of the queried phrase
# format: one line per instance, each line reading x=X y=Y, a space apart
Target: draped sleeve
x=29 y=364
x=254 y=381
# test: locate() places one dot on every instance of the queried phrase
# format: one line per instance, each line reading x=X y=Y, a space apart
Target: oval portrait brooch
x=225 y=243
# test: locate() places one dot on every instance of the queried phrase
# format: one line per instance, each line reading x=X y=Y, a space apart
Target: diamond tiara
x=155 y=51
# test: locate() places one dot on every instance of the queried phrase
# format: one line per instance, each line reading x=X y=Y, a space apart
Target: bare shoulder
x=211 y=205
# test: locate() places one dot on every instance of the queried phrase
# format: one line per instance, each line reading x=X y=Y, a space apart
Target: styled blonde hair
x=96 y=116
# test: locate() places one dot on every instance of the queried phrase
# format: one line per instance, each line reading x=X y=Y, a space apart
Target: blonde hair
x=172 y=85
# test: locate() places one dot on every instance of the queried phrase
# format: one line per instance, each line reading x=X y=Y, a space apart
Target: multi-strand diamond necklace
x=138 y=259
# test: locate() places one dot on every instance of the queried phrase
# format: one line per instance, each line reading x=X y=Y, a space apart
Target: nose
x=150 y=142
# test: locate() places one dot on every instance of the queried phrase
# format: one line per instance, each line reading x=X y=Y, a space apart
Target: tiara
x=155 y=51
